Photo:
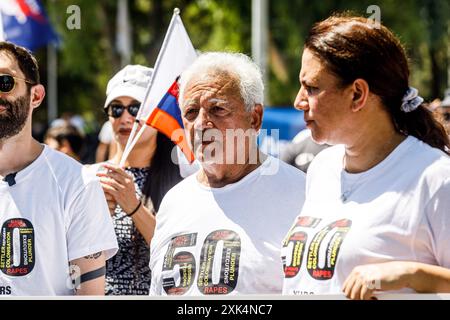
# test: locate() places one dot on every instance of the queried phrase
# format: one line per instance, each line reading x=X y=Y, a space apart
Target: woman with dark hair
x=377 y=210
x=134 y=192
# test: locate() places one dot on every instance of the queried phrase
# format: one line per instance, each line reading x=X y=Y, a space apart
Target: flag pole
x=127 y=152
x=131 y=139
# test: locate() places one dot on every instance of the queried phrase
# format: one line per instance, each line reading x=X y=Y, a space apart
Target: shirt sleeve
x=90 y=228
x=438 y=213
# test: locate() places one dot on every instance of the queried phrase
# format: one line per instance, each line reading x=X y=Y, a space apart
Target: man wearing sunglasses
x=55 y=230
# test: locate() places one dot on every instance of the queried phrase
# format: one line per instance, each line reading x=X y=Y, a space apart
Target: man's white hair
x=247 y=73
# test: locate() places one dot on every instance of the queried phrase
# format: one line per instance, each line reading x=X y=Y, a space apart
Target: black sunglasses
x=8 y=82
x=116 y=110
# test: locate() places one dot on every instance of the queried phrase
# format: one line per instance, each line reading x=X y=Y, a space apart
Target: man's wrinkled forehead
x=211 y=101
x=210 y=87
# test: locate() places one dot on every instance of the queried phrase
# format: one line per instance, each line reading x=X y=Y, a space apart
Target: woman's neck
x=371 y=147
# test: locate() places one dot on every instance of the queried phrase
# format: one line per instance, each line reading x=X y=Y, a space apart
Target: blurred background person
x=85 y=129
x=69 y=118
x=65 y=138
x=301 y=150
x=443 y=111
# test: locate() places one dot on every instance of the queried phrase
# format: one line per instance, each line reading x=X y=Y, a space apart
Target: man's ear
x=360 y=90
x=257 y=116
x=37 y=95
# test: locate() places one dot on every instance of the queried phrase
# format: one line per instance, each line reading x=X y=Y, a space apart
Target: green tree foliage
x=87 y=57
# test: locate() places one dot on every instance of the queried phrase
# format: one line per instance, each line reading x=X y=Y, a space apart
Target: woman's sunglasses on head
x=116 y=110
x=8 y=82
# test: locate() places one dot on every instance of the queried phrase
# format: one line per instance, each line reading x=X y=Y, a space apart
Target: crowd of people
x=371 y=214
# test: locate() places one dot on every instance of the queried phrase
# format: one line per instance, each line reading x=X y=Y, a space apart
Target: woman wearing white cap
x=134 y=193
x=376 y=216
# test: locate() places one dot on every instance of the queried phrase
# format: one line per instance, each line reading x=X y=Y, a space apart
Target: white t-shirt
x=398 y=210
x=225 y=240
x=55 y=213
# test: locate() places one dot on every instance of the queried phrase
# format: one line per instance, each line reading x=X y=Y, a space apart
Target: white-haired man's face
x=221 y=131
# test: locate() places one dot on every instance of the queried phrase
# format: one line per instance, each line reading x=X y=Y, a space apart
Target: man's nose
x=203 y=120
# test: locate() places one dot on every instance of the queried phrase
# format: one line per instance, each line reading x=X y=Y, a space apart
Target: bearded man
x=55 y=230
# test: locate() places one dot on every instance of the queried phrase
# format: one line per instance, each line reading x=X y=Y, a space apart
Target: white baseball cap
x=131 y=81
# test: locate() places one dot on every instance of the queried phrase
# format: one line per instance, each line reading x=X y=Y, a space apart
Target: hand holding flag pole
x=160 y=106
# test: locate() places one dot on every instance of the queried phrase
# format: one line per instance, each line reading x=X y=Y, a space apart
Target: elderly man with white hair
x=220 y=230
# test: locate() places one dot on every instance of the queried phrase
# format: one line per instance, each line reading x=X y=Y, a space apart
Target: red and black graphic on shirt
x=229 y=263
x=186 y=262
x=17 y=257
x=229 y=270
x=332 y=250
x=297 y=239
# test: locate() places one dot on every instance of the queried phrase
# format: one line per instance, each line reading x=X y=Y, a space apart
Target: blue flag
x=25 y=23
